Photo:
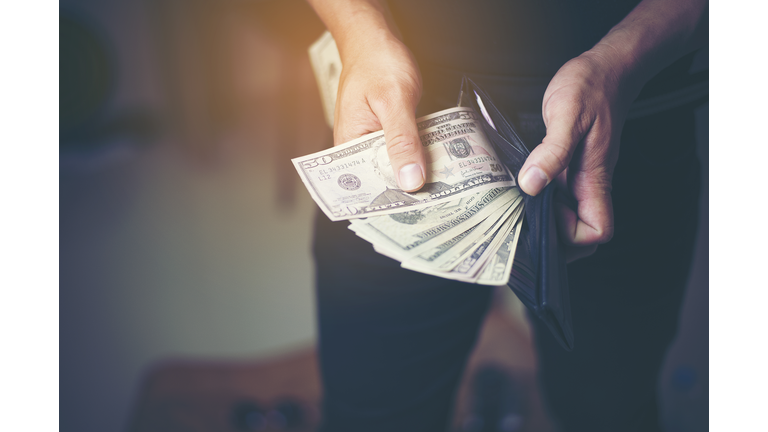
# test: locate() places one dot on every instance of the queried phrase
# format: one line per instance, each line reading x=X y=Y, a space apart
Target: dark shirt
x=518 y=38
x=523 y=38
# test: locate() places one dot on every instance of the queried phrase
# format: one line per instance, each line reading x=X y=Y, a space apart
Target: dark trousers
x=394 y=343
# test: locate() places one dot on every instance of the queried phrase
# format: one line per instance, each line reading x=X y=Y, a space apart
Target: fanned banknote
x=497 y=270
x=407 y=234
x=471 y=267
x=462 y=225
x=356 y=179
x=445 y=257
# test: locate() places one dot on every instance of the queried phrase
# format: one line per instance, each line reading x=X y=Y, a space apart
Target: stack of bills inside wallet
x=464 y=224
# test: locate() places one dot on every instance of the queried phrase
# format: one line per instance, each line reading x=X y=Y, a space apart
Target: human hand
x=584 y=109
x=379 y=88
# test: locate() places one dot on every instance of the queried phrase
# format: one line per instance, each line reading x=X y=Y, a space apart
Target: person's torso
x=523 y=38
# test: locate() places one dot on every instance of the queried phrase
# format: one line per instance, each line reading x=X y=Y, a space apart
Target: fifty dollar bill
x=356 y=180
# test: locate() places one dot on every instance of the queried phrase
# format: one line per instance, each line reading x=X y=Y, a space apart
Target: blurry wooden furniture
x=202 y=396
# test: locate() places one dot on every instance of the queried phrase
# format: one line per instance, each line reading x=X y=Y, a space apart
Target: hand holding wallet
x=539 y=276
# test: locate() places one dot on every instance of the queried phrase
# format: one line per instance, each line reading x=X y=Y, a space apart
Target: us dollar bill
x=356 y=180
x=403 y=233
x=434 y=249
x=448 y=248
x=471 y=267
x=497 y=271
x=448 y=255
x=326 y=63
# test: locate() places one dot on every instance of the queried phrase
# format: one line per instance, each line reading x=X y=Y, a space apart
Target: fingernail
x=411 y=177
x=533 y=181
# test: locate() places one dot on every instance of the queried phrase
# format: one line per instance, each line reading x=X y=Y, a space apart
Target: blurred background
x=186 y=284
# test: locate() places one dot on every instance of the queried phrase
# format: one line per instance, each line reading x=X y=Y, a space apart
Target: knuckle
x=389 y=97
x=381 y=101
x=385 y=105
x=565 y=106
x=353 y=124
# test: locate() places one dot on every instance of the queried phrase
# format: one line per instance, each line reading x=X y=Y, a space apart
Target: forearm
x=651 y=37
x=357 y=25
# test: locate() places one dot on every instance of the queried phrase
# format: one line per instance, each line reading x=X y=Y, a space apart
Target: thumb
x=554 y=153
x=398 y=119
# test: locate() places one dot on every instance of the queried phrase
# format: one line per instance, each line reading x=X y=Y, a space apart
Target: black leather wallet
x=539 y=277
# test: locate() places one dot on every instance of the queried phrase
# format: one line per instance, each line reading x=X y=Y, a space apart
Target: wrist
x=621 y=64
x=652 y=36
x=358 y=26
x=362 y=41
x=607 y=75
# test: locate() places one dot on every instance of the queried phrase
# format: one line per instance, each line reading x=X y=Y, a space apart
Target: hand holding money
x=379 y=86
x=463 y=224
x=356 y=179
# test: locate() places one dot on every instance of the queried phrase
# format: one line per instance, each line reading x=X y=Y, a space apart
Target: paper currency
x=326 y=63
x=470 y=268
x=408 y=234
x=497 y=270
x=443 y=255
x=356 y=180
x=445 y=258
x=464 y=224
